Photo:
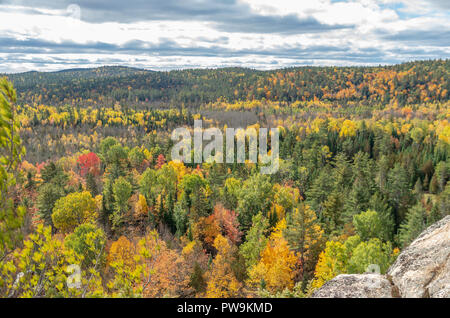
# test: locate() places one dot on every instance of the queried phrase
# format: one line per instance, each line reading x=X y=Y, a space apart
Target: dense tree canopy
x=364 y=168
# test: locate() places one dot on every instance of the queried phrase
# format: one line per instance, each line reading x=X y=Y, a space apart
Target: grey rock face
x=356 y=286
x=421 y=270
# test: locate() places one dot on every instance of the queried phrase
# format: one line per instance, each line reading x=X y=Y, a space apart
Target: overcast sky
x=50 y=35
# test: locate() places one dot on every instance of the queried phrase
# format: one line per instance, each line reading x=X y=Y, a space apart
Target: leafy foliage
x=364 y=169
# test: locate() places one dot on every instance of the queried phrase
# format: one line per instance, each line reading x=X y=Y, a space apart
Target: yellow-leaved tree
x=73 y=210
x=44 y=267
x=332 y=262
x=222 y=282
x=275 y=271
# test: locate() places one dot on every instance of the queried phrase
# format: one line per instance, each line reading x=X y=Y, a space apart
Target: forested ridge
x=405 y=83
x=87 y=178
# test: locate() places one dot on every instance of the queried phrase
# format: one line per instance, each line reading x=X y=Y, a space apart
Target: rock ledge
x=422 y=270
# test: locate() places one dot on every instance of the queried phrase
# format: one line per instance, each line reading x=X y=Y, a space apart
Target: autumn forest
x=92 y=204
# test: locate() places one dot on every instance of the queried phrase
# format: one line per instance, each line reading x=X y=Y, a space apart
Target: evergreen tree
x=368 y=225
x=379 y=203
x=49 y=193
x=363 y=186
x=305 y=236
x=398 y=191
x=418 y=189
x=414 y=224
x=91 y=184
x=256 y=196
x=255 y=240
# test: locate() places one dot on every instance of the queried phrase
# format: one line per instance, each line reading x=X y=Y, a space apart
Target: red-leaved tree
x=89 y=163
x=228 y=223
x=160 y=161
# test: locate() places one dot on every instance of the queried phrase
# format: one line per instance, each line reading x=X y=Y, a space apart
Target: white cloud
x=370 y=37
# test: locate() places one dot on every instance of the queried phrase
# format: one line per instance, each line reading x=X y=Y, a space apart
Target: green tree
x=379 y=203
x=256 y=196
x=53 y=173
x=88 y=241
x=320 y=189
x=105 y=145
x=368 y=225
x=166 y=183
x=73 y=210
x=107 y=200
x=414 y=224
x=181 y=219
x=230 y=193
x=11 y=151
x=363 y=185
x=117 y=160
x=398 y=191
x=255 y=240
x=116 y=155
x=122 y=191
x=434 y=185
x=442 y=174
x=443 y=202
x=332 y=211
x=304 y=236
x=136 y=157
x=194 y=197
x=418 y=188
x=147 y=185
x=48 y=194
x=197 y=279
x=372 y=252
x=91 y=184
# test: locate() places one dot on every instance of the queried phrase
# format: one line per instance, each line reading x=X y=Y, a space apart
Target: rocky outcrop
x=421 y=270
x=356 y=286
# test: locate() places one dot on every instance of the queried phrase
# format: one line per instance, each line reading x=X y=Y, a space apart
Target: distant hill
x=412 y=82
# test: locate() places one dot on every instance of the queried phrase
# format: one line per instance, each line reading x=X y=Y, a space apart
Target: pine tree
x=108 y=201
x=434 y=185
x=332 y=212
x=379 y=203
x=304 y=236
x=255 y=240
x=49 y=193
x=414 y=224
x=197 y=279
x=398 y=191
x=362 y=186
x=91 y=184
x=368 y=225
x=418 y=189
x=442 y=174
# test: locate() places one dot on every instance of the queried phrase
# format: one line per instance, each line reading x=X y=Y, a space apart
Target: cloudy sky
x=265 y=34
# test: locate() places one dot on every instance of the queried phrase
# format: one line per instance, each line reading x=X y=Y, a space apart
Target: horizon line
x=369 y=65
